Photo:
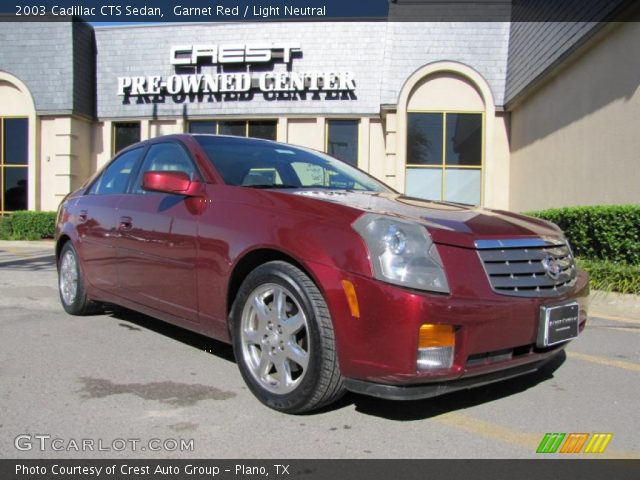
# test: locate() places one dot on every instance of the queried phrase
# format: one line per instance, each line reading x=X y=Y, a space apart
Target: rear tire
x=283 y=340
x=73 y=295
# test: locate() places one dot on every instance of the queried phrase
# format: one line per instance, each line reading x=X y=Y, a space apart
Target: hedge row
x=27 y=225
x=5 y=228
x=612 y=277
x=601 y=232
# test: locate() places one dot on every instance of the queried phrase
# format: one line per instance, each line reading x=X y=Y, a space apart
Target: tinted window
x=342 y=140
x=115 y=178
x=14 y=157
x=166 y=157
x=203 y=126
x=424 y=139
x=464 y=139
x=16 y=132
x=125 y=134
x=266 y=129
x=265 y=164
x=15 y=188
x=237 y=128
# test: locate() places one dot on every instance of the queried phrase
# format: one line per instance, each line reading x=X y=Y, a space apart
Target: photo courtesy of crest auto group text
x=290 y=238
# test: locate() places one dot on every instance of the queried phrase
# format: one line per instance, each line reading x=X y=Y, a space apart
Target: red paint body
x=172 y=257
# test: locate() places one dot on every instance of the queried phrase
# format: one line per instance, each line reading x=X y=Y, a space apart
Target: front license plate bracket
x=558 y=324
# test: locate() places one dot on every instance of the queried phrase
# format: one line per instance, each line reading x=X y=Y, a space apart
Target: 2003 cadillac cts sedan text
x=324 y=279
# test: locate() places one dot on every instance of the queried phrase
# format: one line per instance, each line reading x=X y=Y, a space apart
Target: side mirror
x=171 y=182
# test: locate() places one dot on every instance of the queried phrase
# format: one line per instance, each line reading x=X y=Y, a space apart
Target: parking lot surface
x=122 y=378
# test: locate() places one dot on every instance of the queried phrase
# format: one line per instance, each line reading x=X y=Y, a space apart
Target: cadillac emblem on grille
x=528 y=267
x=551 y=266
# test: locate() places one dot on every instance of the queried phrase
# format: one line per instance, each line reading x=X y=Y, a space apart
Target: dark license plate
x=558 y=324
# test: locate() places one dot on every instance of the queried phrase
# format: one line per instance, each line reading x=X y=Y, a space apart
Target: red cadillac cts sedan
x=323 y=278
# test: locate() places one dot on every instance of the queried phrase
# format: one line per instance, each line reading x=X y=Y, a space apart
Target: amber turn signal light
x=436 y=336
x=352 y=299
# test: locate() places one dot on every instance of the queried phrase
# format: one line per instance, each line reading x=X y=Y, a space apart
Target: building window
x=203 y=126
x=444 y=156
x=342 y=140
x=265 y=129
x=125 y=134
x=14 y=161
x=233 y=127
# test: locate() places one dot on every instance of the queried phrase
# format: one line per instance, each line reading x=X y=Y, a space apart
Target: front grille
x=534 y=267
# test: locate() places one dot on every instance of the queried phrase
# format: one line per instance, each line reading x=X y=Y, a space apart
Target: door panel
x=157 y=240
x=96 y=217
x=157 y=253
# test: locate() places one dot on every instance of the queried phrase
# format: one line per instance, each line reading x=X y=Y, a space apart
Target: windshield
x=263 y=164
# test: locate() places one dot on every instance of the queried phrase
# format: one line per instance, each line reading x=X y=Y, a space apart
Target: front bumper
x=495 y=335
x=429 y=390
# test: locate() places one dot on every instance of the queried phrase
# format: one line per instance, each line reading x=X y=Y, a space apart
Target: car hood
x=448 y=223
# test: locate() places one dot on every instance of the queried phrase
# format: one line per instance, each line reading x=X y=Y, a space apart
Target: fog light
x=435 y=358
x=436 y=344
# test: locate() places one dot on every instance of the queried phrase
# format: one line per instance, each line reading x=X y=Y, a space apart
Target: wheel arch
x=60 y=243
x=253 y=259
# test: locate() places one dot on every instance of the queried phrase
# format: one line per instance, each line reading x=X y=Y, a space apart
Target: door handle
x=82 y=216
x=126 y=223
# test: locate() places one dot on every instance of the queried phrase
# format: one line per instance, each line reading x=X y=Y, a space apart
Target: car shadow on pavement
x=460 y=400
x=135 y=321
x=390 y=410
x=30 y=264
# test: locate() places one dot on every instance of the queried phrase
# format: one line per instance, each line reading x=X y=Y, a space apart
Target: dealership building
x=517 y=116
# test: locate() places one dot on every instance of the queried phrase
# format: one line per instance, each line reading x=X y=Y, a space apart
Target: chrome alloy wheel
x=68 y=278
x=275 y=338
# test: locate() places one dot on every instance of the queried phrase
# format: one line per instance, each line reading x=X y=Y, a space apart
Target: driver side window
x=115 y=178
x=165 y=157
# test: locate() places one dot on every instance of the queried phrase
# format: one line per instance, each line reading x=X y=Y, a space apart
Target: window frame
x=10 y=166
x=443 y=167
x=326 y=137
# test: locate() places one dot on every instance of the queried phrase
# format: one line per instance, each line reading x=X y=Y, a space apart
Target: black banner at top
x=138 y=11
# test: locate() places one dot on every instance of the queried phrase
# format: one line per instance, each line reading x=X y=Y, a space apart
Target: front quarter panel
x=237 y=221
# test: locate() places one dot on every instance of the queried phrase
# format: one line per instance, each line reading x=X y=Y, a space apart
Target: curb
x=26 y=243
x=618 y=304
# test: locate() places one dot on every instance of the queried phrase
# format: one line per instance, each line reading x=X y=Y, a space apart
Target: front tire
x=71 y=284
x=283 y=340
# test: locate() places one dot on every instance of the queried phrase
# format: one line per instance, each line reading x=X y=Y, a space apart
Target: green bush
x=612 y=277
x=601 y=232
x=5 y=228
x=28 y=225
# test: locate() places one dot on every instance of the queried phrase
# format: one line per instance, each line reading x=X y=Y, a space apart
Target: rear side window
x=115 y=178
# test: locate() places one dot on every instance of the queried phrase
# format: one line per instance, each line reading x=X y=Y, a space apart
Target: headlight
x=402 y=253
